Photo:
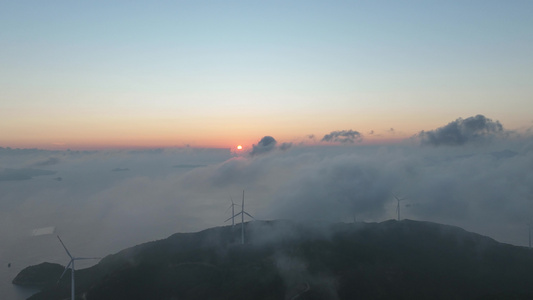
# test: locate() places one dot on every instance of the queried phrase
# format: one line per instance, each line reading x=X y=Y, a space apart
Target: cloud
x=48 y=162
x=285 y=146
x=476 y=129
x=483 y=189
x=335 y=188
x=462 y=186
x=17 y=151
x=189 y=166
x=266 y=144
x=343 y=136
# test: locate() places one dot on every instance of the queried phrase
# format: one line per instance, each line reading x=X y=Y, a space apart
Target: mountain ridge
x=310 y=260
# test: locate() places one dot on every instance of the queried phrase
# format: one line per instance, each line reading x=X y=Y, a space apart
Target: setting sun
x=239 y=147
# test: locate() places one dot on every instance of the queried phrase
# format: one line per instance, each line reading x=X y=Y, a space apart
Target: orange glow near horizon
x=145 y=140
x=143 y=133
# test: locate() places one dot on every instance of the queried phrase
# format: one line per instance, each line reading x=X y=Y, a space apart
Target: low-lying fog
x=472 y=173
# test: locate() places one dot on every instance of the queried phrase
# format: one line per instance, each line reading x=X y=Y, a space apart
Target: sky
x=100 y=74
x=119 y=121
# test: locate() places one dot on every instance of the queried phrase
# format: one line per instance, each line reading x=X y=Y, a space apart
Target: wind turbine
x=71 y=265
x=242 y=213
x=398 y=206
x=232 y=206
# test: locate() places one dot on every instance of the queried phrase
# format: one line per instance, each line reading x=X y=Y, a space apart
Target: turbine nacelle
x=242 y=213
x=398 y=205
x=232 y=206
x=71 y=266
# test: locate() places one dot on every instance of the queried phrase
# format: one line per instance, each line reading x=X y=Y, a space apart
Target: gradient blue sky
x=220 y=73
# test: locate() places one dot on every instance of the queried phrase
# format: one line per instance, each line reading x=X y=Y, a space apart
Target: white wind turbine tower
x=529 y=224
x=242 y=213
x=398 y=205
x=71 y=265
x=529 y=231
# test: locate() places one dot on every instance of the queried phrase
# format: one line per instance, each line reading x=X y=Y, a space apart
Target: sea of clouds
x=471 y=173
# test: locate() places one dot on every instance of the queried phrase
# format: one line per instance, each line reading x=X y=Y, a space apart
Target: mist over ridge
x=483 y=187
x=285 y=259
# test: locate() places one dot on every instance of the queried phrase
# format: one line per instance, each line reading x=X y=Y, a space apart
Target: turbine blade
x=235 y=215
x=398 y=198
x=65 y=271
x=80 y=258
x=232 y=203
x=249 y=215
x=64 y=246
x=228 y=208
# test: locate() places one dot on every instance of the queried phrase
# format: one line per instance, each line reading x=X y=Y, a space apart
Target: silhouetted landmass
x=22 y=174
x=287 y=260
x=40 y=276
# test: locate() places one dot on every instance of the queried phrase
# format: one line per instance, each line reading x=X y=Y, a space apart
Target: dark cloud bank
x=478 y=129
x=267 y=144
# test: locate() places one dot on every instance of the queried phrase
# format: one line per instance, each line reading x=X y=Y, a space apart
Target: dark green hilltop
x=291 y=260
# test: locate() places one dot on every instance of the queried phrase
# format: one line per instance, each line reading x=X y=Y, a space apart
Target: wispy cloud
x=48 y=162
